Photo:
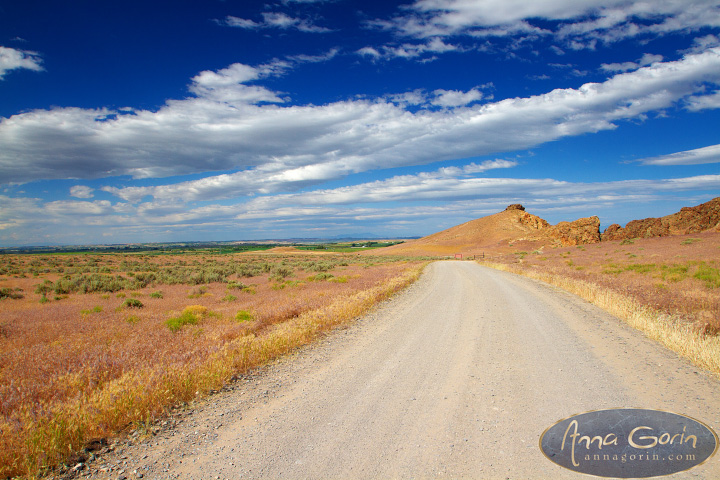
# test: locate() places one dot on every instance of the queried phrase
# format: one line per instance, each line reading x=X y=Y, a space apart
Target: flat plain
x=91 y=345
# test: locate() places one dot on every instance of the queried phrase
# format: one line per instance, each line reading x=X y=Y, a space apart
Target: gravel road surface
x=456 y=377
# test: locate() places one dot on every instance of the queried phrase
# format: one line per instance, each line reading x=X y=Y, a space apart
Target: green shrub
x=187 y=317
x=44 y=288
x=673 y=273
x=229 y=298
x=156 y=295
x=200 y=310
x=132 y=303
x=9 y=293
x=244 y=316
x=641 y=267
x=320 y=277
x=709 y=275
x=282 y=271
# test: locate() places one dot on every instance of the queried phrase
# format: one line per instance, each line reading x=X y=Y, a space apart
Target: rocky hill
x=502 y=229
x=514 y=225
x=699 y=218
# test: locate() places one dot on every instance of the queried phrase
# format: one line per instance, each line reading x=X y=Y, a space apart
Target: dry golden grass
x=84 y=366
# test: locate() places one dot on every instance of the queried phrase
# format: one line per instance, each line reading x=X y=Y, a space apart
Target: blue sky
x=139 y=121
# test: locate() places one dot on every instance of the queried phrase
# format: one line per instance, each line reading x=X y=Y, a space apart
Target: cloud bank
x=230 y=123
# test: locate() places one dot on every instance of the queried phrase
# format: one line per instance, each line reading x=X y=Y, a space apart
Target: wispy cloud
x=409 y=50
x=698 y=156
x=704 y=102
x=12 y=59
x=279 y=20
x=647 y=59
x=273 y=181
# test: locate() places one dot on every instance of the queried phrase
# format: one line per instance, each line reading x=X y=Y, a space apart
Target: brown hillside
x=700 y=218
x=475 y=236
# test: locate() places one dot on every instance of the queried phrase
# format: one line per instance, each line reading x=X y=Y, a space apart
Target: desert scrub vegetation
x=67 y=377
x=132 y=303
x=190 y=316
x=11 y=293
x=244 y=316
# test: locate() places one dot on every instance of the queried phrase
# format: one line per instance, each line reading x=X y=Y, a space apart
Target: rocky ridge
x=700 y=218
x=512 y=225
x=583 y=230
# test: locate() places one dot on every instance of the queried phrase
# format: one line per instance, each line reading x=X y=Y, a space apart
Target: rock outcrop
x=532 y=221
x=648 y=227
x=699 y=218
x=580 y=232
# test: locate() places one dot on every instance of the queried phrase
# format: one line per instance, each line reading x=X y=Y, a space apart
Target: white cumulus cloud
x=81 y=191
x=455 y=98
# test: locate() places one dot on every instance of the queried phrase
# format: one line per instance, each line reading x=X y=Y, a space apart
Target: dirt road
x=455 y=378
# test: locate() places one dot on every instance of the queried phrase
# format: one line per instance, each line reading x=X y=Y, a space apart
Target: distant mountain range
x=129 y=247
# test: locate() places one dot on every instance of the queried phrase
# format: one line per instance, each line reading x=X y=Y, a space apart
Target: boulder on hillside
x=579 y=232
x=515 y=206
